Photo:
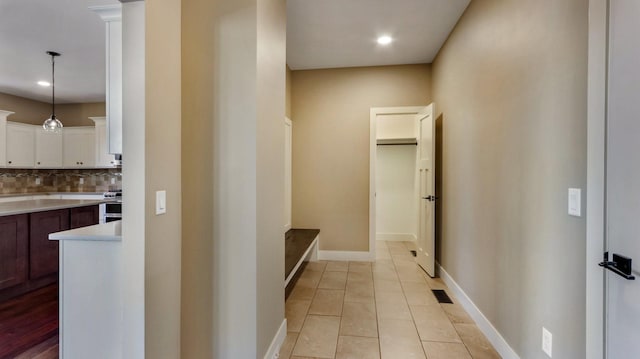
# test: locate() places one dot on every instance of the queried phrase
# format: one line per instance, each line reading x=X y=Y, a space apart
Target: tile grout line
x=335 y=354
x=306 y=315
x=413 y=320
x=375 y=309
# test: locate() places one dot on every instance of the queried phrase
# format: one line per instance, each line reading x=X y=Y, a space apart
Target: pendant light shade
x=52 y=124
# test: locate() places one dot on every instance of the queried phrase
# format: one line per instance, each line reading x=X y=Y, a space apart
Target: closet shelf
x=396 y=141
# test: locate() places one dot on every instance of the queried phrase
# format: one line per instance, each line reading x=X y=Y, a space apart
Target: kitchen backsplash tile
x=68 y=180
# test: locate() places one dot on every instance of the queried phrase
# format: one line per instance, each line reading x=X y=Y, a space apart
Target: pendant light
x=52 y=124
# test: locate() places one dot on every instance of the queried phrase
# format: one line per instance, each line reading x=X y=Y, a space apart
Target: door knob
x=430 y=198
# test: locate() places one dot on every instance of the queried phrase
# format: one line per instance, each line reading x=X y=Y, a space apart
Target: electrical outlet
x=81 y=180
x=38 y=181
x=113 y=180
x=547 y=341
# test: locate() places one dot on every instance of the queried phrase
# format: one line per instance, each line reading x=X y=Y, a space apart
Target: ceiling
x=30 y=28
x=320 y=34
x=343 y=33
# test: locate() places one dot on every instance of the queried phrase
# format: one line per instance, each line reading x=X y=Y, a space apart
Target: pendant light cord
x=53 y=86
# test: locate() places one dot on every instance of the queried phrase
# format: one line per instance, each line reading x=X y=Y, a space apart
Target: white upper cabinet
x=103 y=157
x=79 y=148
x=112 y=16
x=48 y=149
x=20 y=145
x=3 y=134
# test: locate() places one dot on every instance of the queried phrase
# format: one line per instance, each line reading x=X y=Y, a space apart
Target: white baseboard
x=400 y=237
x=360 y=256
x=499 y=343
x=276 y=343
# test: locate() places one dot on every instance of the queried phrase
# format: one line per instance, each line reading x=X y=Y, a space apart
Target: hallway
x=385 y=309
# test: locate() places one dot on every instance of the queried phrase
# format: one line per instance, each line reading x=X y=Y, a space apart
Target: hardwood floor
x=29 y=325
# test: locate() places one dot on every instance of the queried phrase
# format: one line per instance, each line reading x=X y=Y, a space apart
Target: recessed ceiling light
x=44 y=83
x=385 y=40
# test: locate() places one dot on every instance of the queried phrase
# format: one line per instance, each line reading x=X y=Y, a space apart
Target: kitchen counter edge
x=41 y=205
x=111 y=231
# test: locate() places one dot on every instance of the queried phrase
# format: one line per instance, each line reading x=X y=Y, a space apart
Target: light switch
x=161 y=202
x=575 y=202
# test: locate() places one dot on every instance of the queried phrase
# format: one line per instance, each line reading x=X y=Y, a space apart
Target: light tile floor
x=380 y=310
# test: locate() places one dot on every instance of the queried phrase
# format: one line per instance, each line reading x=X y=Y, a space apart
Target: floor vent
x=414 y=253
x=441 y=296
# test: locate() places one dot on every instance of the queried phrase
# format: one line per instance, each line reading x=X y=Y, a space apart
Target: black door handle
x=430 y=198
x=620 y=265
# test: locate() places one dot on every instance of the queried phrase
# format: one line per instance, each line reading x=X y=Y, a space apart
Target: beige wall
x=233 y=200
x=330 y=110
x=162 y=172
x=198 y=110
x=35 y=112
x=511 y=86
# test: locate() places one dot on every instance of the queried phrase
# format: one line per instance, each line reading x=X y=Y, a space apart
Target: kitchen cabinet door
x=43 y=253
x=103 y=157
x=84 y=216
x=48 y=149
x=21 y=145
x=14 y=244
x=79 y=147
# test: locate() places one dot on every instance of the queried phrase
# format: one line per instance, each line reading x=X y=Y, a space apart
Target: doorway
x=402 y=191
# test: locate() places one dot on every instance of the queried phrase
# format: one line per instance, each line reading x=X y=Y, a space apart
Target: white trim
x=108 y=12
x=356 y=256
x=288 y=189
x=373 y=113
x=596 y=119
x=310 y=254
x=397 y=237
x=499 y=343
x=274 y=349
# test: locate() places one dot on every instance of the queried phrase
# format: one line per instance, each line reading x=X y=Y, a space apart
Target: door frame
x=289 y=189
x=596 y=180
x=373 y=113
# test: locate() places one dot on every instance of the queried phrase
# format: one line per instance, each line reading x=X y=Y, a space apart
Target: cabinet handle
x=38 y=162
x=9 y=162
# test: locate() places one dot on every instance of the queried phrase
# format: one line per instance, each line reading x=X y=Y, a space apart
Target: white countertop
x=111 y=231
x=40 y=205
x=30 y=194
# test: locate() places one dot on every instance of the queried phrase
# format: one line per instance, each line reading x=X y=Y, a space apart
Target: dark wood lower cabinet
x=43 y=253
x=28 y=259
x=14 y=246
x=84 y=216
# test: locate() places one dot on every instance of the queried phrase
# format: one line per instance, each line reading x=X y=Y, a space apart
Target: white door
x=622 y=323
x=427 y=201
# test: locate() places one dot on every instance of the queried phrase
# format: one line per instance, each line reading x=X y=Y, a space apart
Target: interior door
x=622 y=323
x=427 y=200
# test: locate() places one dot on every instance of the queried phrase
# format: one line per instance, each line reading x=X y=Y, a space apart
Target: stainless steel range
x=112 y=210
